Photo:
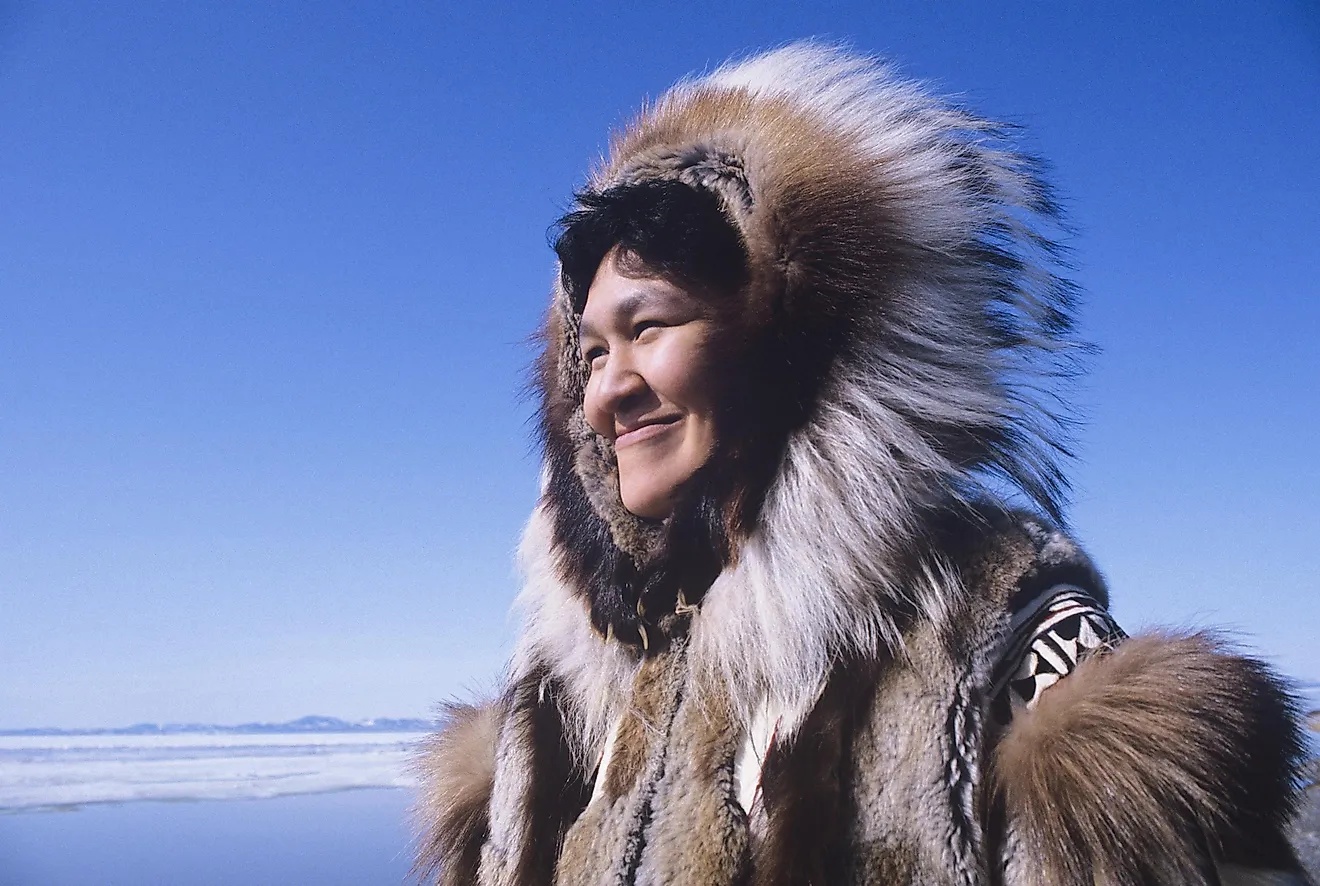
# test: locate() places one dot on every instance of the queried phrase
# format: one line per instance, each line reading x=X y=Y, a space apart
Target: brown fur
x=652 y=701
x=602 y=843
x=1150 y=764
x=456 y=768
x=696 y=796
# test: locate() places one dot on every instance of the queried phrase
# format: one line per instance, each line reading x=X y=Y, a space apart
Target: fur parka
x=793 y=679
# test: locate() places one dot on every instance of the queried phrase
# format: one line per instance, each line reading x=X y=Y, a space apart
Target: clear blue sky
x=267 y=273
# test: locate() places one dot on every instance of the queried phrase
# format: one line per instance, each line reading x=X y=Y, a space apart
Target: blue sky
x=268 y=273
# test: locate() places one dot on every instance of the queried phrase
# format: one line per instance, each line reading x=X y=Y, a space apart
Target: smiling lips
x=645 y=431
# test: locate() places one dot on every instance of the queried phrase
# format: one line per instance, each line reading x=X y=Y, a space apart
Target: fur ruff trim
x=903 y=283
x=1153 y=764
x=456 y=769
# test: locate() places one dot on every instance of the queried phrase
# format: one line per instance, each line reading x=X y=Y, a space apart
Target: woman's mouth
x=646 y=431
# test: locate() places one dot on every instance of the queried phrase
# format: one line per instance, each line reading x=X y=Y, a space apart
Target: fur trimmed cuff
x=456 y=768
x=1153 y=764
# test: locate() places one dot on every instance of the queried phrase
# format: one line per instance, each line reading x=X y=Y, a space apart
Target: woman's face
x=651 y=388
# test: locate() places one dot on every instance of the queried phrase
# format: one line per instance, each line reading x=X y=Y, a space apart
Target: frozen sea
x=205 y=809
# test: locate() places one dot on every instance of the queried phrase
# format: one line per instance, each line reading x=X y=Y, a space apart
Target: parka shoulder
x=455 y=768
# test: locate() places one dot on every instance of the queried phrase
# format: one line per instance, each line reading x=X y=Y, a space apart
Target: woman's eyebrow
x=624 y=307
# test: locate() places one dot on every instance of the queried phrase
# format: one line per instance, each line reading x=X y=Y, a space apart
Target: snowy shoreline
x=58 y=772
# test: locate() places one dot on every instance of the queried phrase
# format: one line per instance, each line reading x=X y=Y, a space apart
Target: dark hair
x=673 y=229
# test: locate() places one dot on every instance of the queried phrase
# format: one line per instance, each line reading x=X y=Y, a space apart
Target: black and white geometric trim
x=1047 y=638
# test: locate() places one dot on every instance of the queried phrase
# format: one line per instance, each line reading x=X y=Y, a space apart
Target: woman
x=797 y=608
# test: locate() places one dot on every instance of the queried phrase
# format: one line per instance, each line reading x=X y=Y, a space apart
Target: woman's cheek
x=678 y=365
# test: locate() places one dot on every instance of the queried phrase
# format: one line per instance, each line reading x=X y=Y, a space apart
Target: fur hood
x=902 y=283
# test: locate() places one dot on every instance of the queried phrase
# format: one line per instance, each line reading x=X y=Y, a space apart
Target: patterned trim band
x=1047 y=639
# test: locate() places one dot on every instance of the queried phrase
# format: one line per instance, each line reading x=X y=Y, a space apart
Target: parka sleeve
x=1161 y=759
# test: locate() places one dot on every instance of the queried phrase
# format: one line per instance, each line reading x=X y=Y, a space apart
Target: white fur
x=508 y=819
x=819 y=578
x=557 y=633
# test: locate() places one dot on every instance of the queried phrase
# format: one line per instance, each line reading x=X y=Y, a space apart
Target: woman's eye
x=591 y=355
x=645 y=326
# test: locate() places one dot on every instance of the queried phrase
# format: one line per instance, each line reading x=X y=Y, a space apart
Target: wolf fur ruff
x=903 y=286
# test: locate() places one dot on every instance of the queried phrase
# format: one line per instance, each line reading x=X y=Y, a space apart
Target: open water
x=345 y=838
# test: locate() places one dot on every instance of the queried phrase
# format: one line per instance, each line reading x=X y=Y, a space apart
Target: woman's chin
x=648 y=505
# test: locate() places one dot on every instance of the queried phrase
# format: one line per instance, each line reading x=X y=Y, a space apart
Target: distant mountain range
x=1308 y=689
x=302 y=724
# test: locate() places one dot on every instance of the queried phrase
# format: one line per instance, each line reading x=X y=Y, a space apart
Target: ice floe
x=59 y=771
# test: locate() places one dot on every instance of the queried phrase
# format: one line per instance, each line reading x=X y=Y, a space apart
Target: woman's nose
x=614 y=388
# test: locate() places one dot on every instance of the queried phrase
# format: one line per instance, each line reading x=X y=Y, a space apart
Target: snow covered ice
x=51 y=771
